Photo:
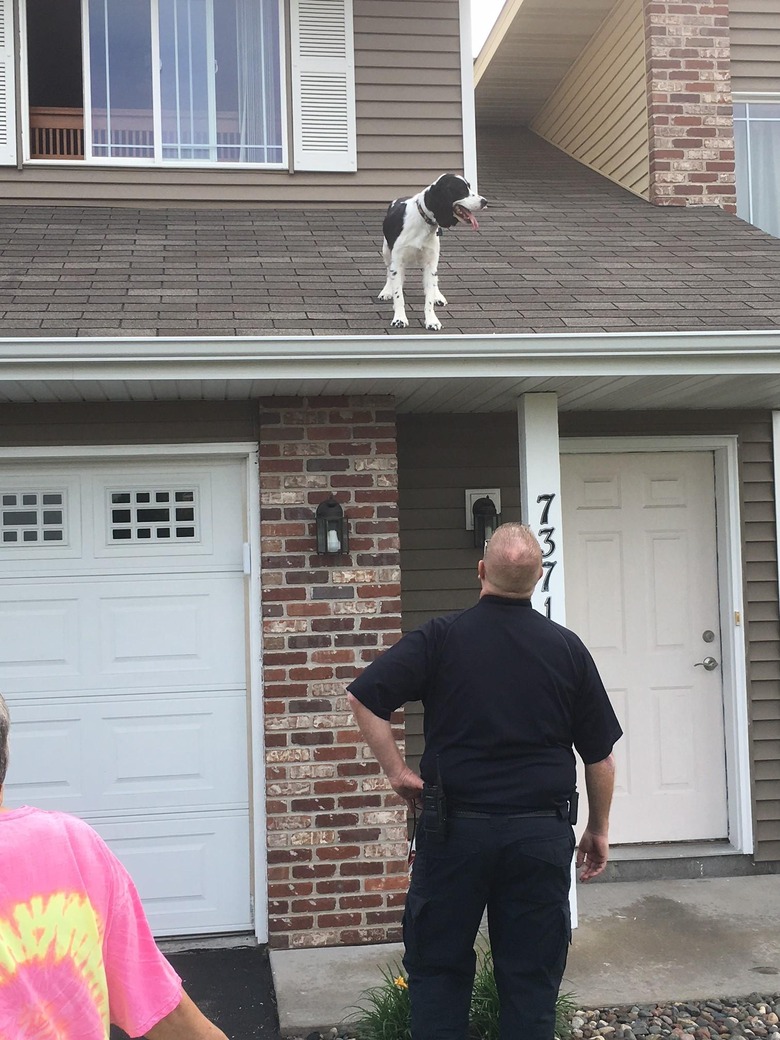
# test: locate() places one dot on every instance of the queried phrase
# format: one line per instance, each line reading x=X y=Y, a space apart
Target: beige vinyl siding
x=441 y=455
x=598 y=113
x=755 y=45
x=409 y=130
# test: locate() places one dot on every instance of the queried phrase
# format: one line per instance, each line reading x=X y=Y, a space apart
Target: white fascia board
x=356 y=357
x=505 y=18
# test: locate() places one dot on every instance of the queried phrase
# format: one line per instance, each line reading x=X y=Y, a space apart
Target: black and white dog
x=412 y=228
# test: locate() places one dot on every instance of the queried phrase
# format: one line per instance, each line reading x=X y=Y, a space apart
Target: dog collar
x=425 y=216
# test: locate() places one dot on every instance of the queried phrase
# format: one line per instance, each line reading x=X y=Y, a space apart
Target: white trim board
x=468 y=105
x=730 y=582
x=247 y=450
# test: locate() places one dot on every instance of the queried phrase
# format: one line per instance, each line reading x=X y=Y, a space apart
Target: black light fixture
x=332 y=529
x=485 y=520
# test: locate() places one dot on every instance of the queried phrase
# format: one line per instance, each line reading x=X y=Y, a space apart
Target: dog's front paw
x=385 y=296
x=433 y=324
x=440 y=301
x=399 y=323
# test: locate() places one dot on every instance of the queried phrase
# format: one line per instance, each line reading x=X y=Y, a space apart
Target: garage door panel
x=157 y=754
x=192 y=873
x=195 y=629
x=38 y=636
x=66 y=635
x=163 y=513
x=175 y=753
x=47 y=768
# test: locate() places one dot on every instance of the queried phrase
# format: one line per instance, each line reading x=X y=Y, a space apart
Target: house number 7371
x=547 y=542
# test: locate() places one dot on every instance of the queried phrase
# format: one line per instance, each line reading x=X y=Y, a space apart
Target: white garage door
x=122 y=655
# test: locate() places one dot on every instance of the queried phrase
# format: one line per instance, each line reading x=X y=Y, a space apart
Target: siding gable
x=598 y=113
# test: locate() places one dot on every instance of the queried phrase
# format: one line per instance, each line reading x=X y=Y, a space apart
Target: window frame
x=144 y=163
x=754 y=98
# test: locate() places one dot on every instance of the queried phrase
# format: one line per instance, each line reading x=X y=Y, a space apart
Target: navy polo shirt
x=506 y=693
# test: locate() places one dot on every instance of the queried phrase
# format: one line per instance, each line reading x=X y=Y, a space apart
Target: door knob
x=709 y=664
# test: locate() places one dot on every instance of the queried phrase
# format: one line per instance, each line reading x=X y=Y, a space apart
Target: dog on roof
x=412 y=228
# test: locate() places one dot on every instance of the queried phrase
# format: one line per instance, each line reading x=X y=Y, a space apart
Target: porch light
x=486 y=520
x=332 y=528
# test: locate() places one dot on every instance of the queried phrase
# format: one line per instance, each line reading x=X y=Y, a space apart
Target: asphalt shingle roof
x=560 y=249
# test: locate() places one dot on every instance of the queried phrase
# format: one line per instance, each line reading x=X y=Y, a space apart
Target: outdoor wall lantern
x=483 y=513
x=485 y=520
x=332 y=528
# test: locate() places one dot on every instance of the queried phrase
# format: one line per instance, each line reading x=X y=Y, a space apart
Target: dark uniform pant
x=520 y=870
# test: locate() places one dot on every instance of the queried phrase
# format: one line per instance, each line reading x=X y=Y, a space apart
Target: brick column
x=689 y=104
x=336 y=832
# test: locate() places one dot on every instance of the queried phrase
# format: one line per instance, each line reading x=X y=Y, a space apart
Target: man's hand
x=409 y=786
x=593 y=851
x=378 y=734
x=592 y=854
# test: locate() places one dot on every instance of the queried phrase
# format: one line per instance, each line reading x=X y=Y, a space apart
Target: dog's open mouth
x=465 y=215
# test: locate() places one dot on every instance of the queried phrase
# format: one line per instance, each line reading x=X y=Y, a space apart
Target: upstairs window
x=757 y=153
x=155 y=81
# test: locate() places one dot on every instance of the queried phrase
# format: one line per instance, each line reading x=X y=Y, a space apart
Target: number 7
x=547 y=499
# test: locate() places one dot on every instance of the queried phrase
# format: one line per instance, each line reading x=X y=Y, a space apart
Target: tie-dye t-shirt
x=76 y=952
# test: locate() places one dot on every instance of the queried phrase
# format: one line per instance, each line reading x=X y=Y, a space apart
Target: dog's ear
x=441 y=195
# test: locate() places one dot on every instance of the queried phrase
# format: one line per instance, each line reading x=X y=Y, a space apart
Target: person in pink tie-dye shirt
x=76 y=950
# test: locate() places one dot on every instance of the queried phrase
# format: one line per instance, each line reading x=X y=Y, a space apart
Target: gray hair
x=5 y=725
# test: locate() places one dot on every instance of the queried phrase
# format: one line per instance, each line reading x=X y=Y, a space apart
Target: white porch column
x=540 y=495
x=540 y=504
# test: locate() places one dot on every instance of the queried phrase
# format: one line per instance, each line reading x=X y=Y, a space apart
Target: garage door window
x=32 y=517
x=153 y=514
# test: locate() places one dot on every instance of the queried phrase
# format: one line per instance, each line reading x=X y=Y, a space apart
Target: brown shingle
x=559 y=248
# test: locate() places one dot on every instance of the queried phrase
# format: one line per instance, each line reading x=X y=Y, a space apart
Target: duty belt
x=467 y=814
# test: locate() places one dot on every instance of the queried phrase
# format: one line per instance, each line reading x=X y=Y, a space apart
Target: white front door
x=122 y=656
x=642 y=591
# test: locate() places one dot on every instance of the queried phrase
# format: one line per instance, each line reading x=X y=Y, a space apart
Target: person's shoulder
x=77 y=831
x=566 y=635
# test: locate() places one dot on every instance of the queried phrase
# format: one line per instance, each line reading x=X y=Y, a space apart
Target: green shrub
x=383 y=1013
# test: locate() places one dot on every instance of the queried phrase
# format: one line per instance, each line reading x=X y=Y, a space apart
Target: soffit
x=530 y=50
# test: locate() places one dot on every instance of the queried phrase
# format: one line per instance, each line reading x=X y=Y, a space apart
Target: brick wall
x=336 y=832
x=689 y=104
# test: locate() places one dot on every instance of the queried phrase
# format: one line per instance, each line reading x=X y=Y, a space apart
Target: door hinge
x=737 y=618
x=252 y=910
x=247 y=557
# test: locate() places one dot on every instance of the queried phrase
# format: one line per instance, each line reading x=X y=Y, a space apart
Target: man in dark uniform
x=507 y=695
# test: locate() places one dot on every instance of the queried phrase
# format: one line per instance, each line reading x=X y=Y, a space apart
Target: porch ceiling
x=467 y=374
x=527 y=54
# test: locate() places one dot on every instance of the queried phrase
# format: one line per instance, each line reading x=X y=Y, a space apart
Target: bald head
x=512 y=564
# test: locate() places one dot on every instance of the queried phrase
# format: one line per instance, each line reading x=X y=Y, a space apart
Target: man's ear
x=481 y=570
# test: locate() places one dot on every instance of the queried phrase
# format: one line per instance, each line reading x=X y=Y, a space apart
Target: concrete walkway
x=637 y=942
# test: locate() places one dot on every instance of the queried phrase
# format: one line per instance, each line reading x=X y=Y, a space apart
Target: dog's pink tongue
x=473 y=221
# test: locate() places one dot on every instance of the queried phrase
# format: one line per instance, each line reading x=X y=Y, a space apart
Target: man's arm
x=378 y=734
x=593 y=850
x=185 y=1022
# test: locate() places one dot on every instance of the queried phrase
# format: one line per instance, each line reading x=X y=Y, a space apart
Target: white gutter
x=398 y=357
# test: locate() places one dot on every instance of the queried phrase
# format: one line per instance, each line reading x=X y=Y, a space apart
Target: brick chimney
x=689 y=104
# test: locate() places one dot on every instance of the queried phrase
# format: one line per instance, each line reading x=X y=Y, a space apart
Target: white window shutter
x=7 y=85
x=323 y=79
